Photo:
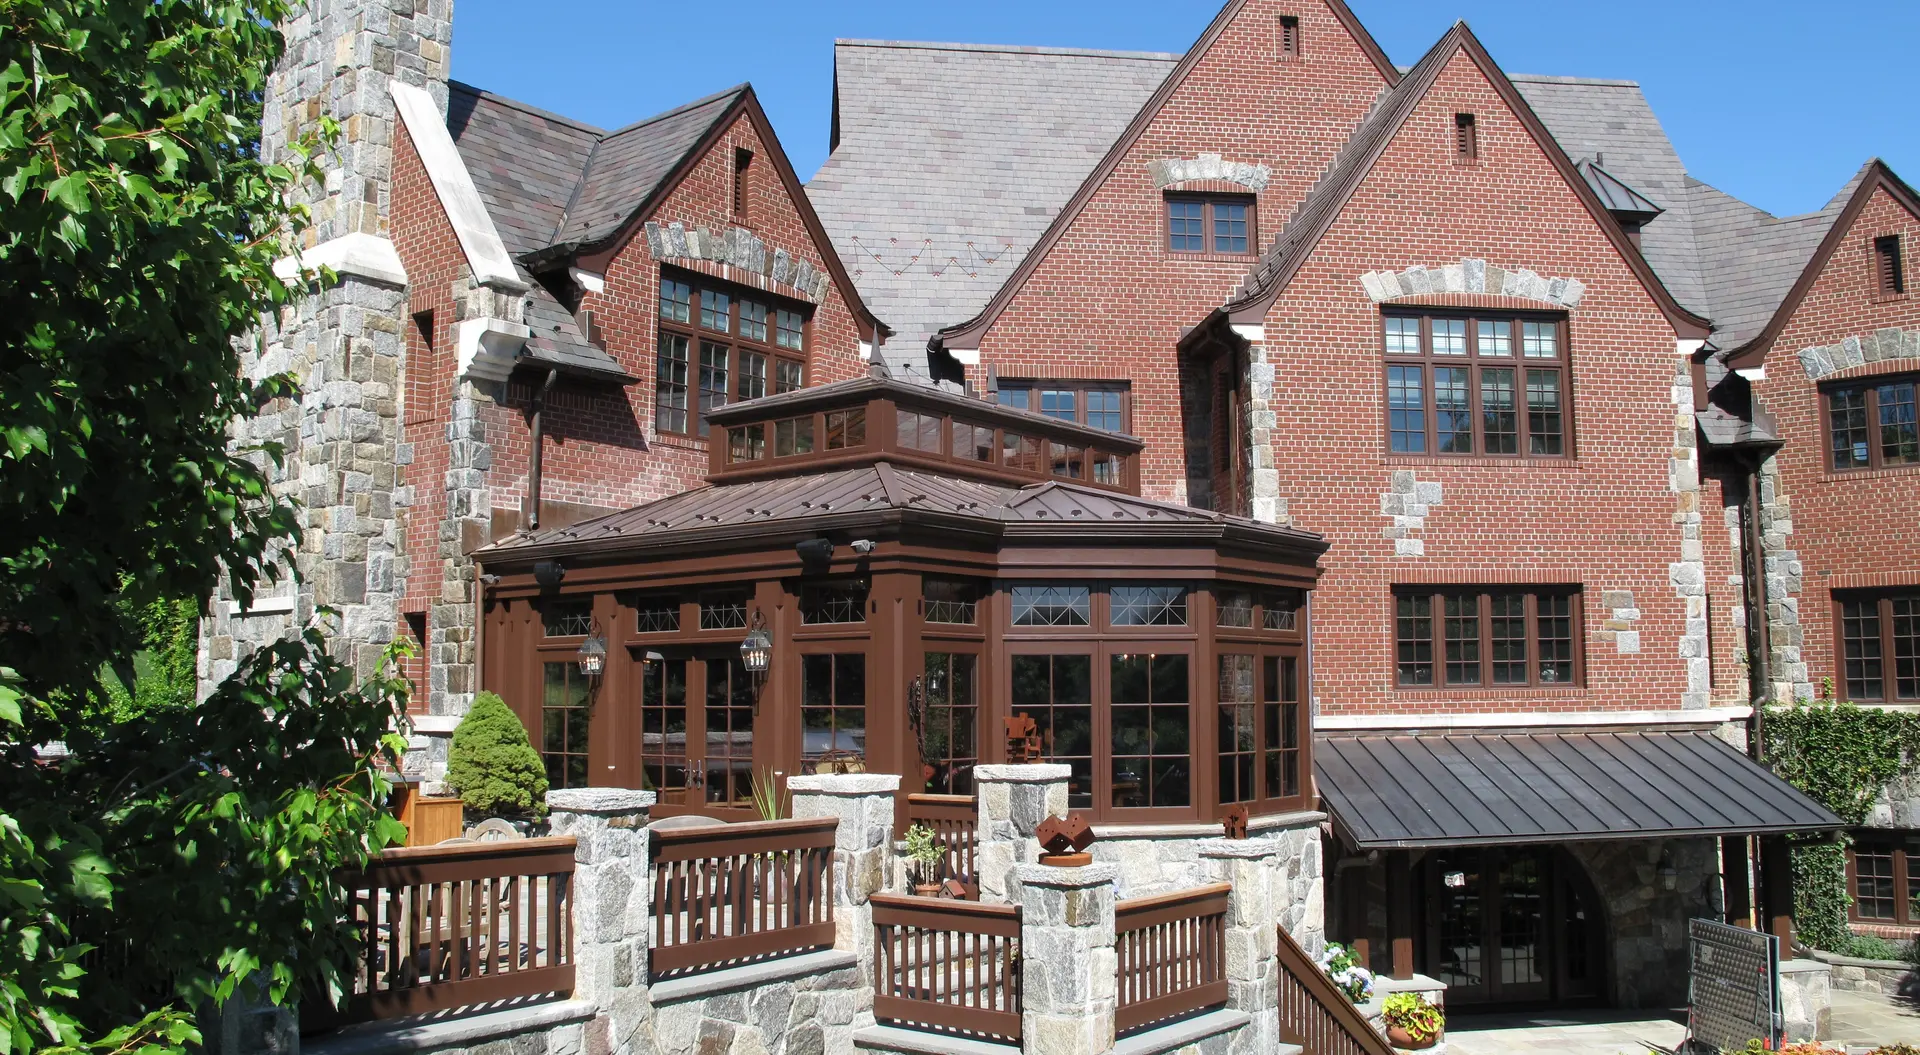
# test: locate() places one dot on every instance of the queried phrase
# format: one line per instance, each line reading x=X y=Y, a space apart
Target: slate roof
x=1621 y=200
x=1495 y=790
x=548 y=180
x=1749 y=259
x=972 y=148
x=557 y=341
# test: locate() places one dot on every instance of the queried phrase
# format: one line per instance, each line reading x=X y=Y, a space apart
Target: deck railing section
x=739 y=892
x=1173 y=955
x=451 y=926
x=955 y=820
x=1315 y=1014
x=950 y=966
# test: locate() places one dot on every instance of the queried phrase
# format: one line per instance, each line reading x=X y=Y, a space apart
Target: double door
x=695 y=731
x=1510 y=925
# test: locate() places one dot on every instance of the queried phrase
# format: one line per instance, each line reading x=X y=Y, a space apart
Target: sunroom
x=875 y=578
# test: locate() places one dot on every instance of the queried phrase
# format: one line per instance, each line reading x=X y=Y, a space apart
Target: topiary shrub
x=493 y=765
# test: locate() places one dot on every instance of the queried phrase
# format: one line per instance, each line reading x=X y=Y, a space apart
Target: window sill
x=1451 y=693
x=685 y=443
x=1481 y=460
x=1842 y=475
x=1241 y=259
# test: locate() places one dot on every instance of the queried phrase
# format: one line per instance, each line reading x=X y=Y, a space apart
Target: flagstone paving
x=1861 y=1022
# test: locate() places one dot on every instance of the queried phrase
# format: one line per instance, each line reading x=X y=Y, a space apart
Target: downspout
x=539 y=443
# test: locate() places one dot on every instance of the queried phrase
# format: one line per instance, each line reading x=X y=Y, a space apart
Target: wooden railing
x=1315 y=1014
x=1173 y=954
x=472 y=923
x=955 y=820
x=952 y=966
x=741 y=892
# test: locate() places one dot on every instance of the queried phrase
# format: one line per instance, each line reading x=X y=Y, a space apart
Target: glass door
x=696 y=731
x=1510 y=926
x=727 y=716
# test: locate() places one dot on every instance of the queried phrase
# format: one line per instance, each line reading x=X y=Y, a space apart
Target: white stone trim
x=1524 y=719
x=1876 y=347
x=1753 y=373
x=453 y=185
x=1251 y=333
x=423 y=1033
x=360 y=255
x=866 y=350
x=434 y=724
x=1166 y=172
x=891 y=1039
x=1183 y=1035
x=965 y=356
x=1473 y=275
x=846 y=783
x=262 y=606
x=599 y=800
x=1031 y=773
x=749 y=976
x=739 y=248
x=486 y=348
x=588 y=280
x=1261 y=823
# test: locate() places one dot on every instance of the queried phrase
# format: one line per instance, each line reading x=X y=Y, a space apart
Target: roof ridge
x=1009 y=49
x=681 y=109
x=1554 y=78
x=524 y=107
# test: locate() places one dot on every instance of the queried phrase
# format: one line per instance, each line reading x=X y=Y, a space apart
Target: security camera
x=863 y=546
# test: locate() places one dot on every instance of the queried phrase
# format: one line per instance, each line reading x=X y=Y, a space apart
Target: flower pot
x=1400 y=1038
x=926 y=890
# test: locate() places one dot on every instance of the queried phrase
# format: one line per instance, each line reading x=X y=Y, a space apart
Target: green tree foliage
x=493 y=764
x=162 y=674
x=175 y=851
x=1841 y=756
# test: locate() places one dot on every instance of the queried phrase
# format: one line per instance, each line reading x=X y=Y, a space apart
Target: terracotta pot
x=1400 y=1038
x=926 y=890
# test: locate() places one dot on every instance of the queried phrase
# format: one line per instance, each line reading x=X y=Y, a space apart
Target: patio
x=1861 y=1022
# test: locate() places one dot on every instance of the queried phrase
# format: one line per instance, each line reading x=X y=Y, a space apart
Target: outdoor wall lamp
x=756 y=652
x=1669 y=875
x=548 y=574
x=814 y=552
x=592 y=656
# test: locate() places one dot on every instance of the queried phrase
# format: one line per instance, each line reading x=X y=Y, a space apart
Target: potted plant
x=494 y=767
x=925 y=852
x=1346 y=972
x=1411 y=1021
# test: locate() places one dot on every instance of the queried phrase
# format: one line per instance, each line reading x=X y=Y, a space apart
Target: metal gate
x=1733 y=987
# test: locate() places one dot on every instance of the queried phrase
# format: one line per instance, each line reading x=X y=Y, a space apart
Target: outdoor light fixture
x=756 y=652
x=593 y=653
x=548 y=574
x=1669 y=875
x=814 y=552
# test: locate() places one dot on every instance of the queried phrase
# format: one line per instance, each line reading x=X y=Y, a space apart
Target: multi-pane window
x=729 y=741
x=1880 y=867
x=1873 y=425
x=1238 y=733
x=563 y=725
x=1099 y=404
x=1214 y=224
x=1057 y=693
x=950 y=722
x=951 y=601
x=570 y=618
x=663 y=729
x=1259 y=727
x=714 y=350
x=1051 y=605
x=727 y=612
x=1148 y=605
x=1281 y=726
x=840 y=602
x=656 y=615
x=1152 y=759
x=833 y=712
x=1235 y=609
x=1464 y=384
x=921 y=432
x=1880 y=644
x=846 y=428
x=1452 y=637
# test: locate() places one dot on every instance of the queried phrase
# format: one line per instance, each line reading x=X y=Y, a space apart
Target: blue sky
x=1776 y=103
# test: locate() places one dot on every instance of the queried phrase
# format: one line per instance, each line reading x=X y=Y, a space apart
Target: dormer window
x=1890 y=269
x=1215 y=223
x=1289 y=36
x=1466 y=138
x=714 y=350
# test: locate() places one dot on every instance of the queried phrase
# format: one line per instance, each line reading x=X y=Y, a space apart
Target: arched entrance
x=1512 y=925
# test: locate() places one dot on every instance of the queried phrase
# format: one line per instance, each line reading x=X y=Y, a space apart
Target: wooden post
x=1776 y=884
x=1400 y=912
x=1736 y=877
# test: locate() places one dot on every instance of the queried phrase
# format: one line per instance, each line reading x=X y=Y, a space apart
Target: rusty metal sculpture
x=1236 y=821
x=1023 y=740
x=1065 y=841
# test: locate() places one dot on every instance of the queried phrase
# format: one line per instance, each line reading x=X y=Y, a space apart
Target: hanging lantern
x=756 y=652
x=593 y=653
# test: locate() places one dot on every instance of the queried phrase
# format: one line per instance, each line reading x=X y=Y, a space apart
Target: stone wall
x=1647 y=913
x=1161 y=859
x=1886 y=977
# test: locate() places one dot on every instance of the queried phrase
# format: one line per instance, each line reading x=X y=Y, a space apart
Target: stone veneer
x=1784 y=577
x=741 y=249
x=1620 y=614
x=1689 y=574
x=1878 y=346
x=1646 y=921
x=1166 y=172
x=1473 y=276
x=1161 y=859
x=1407 y=504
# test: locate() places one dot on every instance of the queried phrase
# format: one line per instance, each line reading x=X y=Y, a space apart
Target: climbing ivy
x=1841 y=756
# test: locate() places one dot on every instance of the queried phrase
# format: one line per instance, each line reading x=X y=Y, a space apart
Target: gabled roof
x=969 y=333
x=998 y=137
x=525 y=162
x=818 y=501
x=630 y=167
x=1323 y=205
x=1748 y=348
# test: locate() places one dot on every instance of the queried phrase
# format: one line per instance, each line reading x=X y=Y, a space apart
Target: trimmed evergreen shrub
x=493 y=765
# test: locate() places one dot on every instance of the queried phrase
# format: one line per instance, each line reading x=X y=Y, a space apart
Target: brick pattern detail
x=1407 y=504
x=1621 y=615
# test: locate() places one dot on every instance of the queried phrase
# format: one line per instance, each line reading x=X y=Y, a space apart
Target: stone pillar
x=863 y=803
x=1254 y=867
x=1806 y=999
x=1013 y=802
x=612 y=905
x=1069 y=971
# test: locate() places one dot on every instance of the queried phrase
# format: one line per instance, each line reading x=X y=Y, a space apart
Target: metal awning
x=1494 y=789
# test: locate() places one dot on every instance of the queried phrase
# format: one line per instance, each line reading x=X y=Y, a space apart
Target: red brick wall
x=1850 y=529
x=1109 y=301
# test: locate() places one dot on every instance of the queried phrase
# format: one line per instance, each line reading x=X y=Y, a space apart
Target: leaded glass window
x=1148 y=605
x=1051 y=605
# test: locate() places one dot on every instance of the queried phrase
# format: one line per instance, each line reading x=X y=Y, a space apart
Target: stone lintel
x=1240 y=849
x=599 y=800
x=1039 y=773
x=846 y=784
x=1066 y=878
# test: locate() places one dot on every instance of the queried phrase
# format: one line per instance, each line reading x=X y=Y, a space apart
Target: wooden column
x=1736 y=877
x=1400 y=911
x=1776 y=885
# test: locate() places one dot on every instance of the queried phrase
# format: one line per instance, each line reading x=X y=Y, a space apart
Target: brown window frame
x=1209 y=231
x=1466 y=139
x=1885 y=602
x=1890 y=273
x=1475 y=363
x=1905 y=913
x=1080 y=389
x=1290 y=42
x=1869 y=388
x=1437 y=640
x=736 y=344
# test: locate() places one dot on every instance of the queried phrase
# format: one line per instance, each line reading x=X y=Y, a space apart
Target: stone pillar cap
x=1035 y=773
x=1249 y=849
x=846 y=783
x=599 y=800
x=1066 y=878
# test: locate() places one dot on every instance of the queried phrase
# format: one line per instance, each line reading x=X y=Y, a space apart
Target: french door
x=1510 y=926
x=696 y=743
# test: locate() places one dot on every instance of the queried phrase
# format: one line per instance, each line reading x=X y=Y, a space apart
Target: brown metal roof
x=733 y=510
x=1498 y=789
